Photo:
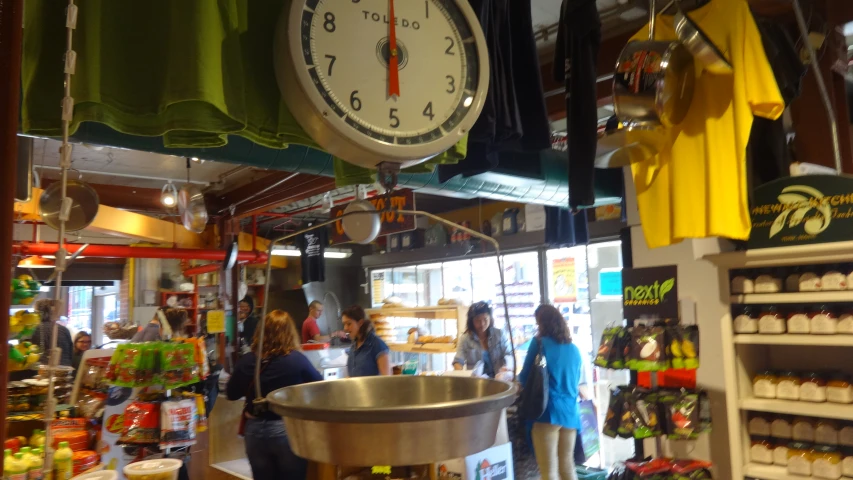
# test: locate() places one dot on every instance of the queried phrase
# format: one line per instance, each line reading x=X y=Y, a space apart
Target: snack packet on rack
x=621 y=346
x=644 y=410
x=648 y=349
x=690 y=346
x=178 y=423
x=178 y=365
x=141 y=423
x=602 y=358
x=614 y=414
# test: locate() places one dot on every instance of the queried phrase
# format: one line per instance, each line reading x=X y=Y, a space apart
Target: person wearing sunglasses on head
x=483 y=342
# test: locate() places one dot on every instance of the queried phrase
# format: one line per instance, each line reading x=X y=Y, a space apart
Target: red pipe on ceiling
x=209 y=268
x=122 y=251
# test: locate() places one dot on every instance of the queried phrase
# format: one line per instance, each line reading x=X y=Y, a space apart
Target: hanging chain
x=64 y=212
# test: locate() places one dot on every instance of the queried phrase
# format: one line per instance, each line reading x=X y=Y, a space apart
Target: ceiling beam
x=298 y=188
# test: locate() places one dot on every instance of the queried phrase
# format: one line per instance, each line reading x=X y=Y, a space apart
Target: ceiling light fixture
x=169 y=195
x=294 y=252
x=196 y=159
x=35 y=262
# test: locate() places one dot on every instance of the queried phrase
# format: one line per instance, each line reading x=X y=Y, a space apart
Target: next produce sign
x=392 y=222
x=650 y=291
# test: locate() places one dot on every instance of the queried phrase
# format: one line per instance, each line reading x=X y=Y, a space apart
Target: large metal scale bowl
x=398 y=421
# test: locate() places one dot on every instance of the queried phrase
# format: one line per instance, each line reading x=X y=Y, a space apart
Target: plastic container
x=761 y=450
x=826 y=462
x=160 y=469
x=839 y=389
x=780 y=452
x=746 y=321
x=101 y=475
x=845 y=323
x=36 y=471
x=743 y=282
x=810 y=280
x=15 y=467
x=781 y=427
x=771 y=321
x=37 y=439
x=799 y=458
x=765 y=384
x=792 y=281
x=768 y=281
x=845 y=435
x=834 y=278
x=826 y=432
x=788 y=387
x=802 y=429
x=824 y=321
x=813 y=388
x=847 y=461
x=799 y=321
x=62 y=462
x=759 y=425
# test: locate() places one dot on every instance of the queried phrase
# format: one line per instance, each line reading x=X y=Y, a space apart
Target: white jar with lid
x=834 y=278
x=824 y=321
x=839 y=389
x=742 y=283
x=768 y=281
x=845 y=435
x=771 y=321
x=799 y=321
x=810 y=280
x=746 y=321
x=845 y=323
x=758 y=425
x=781 y=427
x=792 y=281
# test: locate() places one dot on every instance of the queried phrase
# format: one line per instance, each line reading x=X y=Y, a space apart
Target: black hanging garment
x=312 y=245
x=576 y=64
x=768 y=156
x=514 y=117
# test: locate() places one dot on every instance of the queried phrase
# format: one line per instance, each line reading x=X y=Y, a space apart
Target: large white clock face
x=344 y=55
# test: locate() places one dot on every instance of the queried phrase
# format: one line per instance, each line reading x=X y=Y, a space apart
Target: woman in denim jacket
x=483 y=342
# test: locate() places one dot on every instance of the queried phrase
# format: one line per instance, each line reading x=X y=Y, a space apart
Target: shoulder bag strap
x=264 y=365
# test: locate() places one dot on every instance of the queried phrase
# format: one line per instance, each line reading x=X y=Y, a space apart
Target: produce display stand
x=744 y=355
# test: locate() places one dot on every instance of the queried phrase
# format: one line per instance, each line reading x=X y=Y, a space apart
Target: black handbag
x=534 y=396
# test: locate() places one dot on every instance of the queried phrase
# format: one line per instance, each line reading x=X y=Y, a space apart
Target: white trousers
x=554 y=447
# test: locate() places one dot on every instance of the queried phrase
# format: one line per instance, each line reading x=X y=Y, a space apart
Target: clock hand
x=393 y=66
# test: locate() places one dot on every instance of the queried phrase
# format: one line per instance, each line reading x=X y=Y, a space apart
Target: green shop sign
x=650 y=291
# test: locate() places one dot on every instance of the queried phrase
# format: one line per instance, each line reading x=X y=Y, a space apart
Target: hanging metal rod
x=128 y=175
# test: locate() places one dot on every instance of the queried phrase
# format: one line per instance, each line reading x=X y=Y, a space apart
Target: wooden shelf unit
x=744 y=355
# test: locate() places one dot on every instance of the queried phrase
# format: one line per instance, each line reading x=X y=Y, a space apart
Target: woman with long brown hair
x=368 y=356
x=554 y=433
x=282 y=365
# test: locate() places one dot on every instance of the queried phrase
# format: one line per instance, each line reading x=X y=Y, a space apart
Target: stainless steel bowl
x=392 y=420
x=700 y=45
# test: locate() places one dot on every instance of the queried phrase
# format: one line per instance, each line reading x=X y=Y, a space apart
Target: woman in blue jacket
x=555 y=432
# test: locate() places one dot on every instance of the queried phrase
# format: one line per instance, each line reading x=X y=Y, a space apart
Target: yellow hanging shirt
x=696 y=186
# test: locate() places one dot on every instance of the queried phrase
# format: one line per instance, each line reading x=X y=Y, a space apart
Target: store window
x=80 y=309
x=584 y=283
x=110 y=312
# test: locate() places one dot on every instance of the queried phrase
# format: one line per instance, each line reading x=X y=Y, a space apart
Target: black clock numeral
x=395 y=120
x=332 y=60
x=451 y=84
x=329 y=24
x=449 y=50
x=426 y=2
x=428 y=111
x=354 y=101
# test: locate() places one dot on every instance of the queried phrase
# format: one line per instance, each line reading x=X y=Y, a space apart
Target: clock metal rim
x=331 y=132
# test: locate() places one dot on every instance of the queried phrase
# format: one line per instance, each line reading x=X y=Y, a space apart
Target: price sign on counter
x=216 y=321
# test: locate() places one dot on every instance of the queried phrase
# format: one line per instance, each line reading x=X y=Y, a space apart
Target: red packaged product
x=141 y=423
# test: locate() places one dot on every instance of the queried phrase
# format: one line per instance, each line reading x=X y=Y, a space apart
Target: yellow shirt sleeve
x=760 y=86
